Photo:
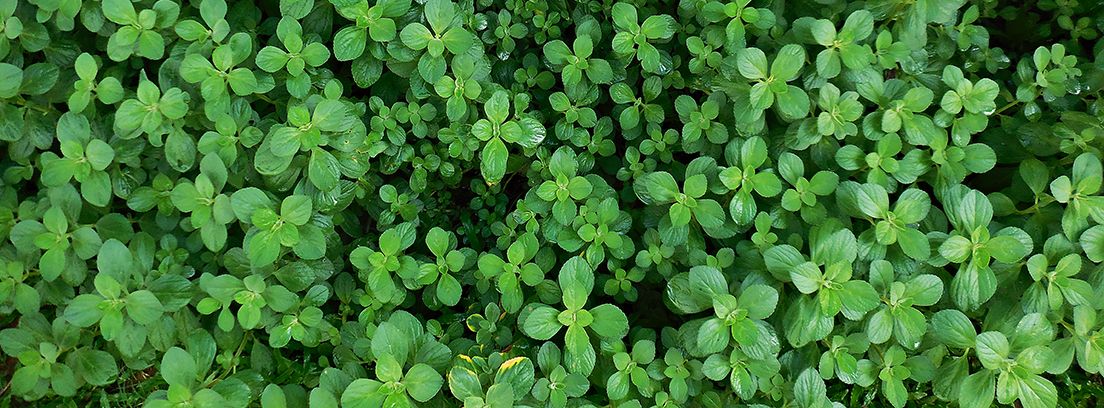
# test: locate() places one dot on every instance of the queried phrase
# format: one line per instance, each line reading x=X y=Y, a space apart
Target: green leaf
x=708 y=281
x=912 y=206
x=659 y=27
x=493 y=160
x=99 y=154
x=143 y=307
x=94 y=366
x=363 y=393
x=296 y=209
x=978 y=389
x=760 y=301
x=119 y=11
x=1005 y=248
x=793 y=103
x=263 y=248
x=859 y=297
x=576 y=281
x=324 y=170
x=458 y=41
x=870 y=200
x=807 y=277
x=956 y=248
x=84 y=310
x=440 y=14
x=788 y=63
x=579 y=356
x=656 y=188
x=914 y=244
x=713 y=336
x=11 y=78
x=500 y=396
x=992 y=349
x=752 y=63
x=415 y=36
x=1036 y=391
x=272 y=59
x=1092 y=241
x=247 y=201
x=422 y=382
x=609 y=321
x=624 y=16
x=498 y=107
x=349 y=43
x=880 y=327
x=810 y=390
x=273 y=397
x=969 y=209
x=824 y=32
x=541 y=323
x=858 y=26
x=178 y=367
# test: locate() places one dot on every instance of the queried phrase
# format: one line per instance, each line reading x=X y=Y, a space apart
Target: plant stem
x=1006 y=107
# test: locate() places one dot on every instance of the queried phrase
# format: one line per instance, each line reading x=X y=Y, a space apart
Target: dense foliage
x=551 y=203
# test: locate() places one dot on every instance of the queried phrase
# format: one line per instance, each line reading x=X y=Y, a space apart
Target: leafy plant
x=543 y=203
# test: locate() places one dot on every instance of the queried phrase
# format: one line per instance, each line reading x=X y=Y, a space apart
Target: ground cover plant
x=551 y=203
